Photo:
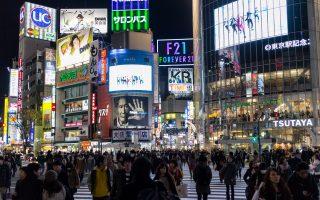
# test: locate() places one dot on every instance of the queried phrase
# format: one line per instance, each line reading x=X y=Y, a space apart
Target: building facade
x=261 y=72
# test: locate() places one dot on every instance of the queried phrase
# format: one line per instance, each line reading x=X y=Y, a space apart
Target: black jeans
x=205 y=196
x=228 y=193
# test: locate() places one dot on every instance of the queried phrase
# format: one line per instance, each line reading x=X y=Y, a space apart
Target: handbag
x=182 y=190
x=257 y=192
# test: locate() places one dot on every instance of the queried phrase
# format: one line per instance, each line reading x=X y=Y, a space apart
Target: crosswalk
x=218 y=190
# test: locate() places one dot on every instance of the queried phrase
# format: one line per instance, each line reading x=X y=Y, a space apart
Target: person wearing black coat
x=250 y=189
x=302 y=184
x=229 y=172
x=31 y=187
x=202 y=175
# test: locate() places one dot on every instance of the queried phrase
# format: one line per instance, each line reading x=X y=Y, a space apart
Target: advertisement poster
x=180 y=80
x=38 y=22
x=94 y=59
x=50 y=73
x=46 y=112
x=75 y=20
x=14 y=79
x=130 y=112
x=74 y=49
x=175 y=52
x=104 y=112
x=133 y=20
x=130 y=77
x=260 y=84
x=229 y=57
x=249 y=20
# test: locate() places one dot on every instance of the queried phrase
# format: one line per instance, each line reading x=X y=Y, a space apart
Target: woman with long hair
x=52 y=188
x=163 y=175
x=274 y=187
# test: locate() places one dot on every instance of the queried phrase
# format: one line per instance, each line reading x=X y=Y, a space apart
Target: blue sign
x=41 y=17
x=156 y=118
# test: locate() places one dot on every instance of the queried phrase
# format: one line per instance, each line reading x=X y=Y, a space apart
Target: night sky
x=168 y=19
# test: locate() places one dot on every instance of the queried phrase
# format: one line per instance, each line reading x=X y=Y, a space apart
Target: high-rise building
x=261 y=73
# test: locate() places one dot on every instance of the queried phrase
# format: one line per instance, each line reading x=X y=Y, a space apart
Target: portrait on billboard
x=74 y=48
x=130 y=112
x=75 y=20
x=249 y=20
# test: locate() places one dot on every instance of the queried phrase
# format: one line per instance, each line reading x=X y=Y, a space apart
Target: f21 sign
x=175 y=52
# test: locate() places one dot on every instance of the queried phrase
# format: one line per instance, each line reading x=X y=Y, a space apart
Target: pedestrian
x=52 y=188
x=73 y=178
x=302 y=184
x=62 y=177
x=5 y=178
x=142 y=186
x=293 y=161
x=41 y=160
x=250 y=189
x=175 y=171
x=121 y=178
x=31 y=186
x=163 y=175
x=22 y=176
x=202 y=175
x=99 y=182
x=80 y=164
x=192 y=163
x=229 y=172
x=284 y=169
x=273 y=187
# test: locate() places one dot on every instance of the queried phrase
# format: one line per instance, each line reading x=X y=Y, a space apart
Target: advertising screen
x=38 y=22
x=130 y=77
x=130 y=4
x=180 y=80
x=14 y=79
x=73 y=75
x=75 y=20
x=130 y=112
x=46 y=112
x=50 y=73
x=249 y=20
x=133 y=20
x=73 y=49
x=175 y=52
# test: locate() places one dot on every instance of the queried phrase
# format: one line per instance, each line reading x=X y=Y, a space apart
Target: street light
x=258 y=130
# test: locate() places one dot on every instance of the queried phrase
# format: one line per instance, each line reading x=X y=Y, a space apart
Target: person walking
x=52 y=188
x=302 y=184
x=22 y=176
x=229 y=172
x=73 y=178
x=202 y=175
x=163 y=175
x=5 y=178
x=250 y=189
x=99 y=181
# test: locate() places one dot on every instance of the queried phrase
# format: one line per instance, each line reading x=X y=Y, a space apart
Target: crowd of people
x=144 y=175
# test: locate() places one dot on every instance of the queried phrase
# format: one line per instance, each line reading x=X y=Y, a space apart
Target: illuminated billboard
x=127 y=135
x=14 y=79
x=249 y=20
x=73 y=75
x=75 y=20
x=73 y=49
x=133 y=20
x=38 y=22
x=50 y=73
x=46 y=112
x=175 y=52
x=130 y=4
x=5 y=120
x=130 y=112
x=180 y=80
x=131 y=77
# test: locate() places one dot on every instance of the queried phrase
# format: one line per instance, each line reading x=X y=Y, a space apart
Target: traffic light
x=254 y=138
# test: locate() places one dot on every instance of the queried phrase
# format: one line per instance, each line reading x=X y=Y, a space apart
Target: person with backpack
x=229 y=172
x=202 y=175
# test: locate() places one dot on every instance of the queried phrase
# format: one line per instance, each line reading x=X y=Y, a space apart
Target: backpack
x=156 y=193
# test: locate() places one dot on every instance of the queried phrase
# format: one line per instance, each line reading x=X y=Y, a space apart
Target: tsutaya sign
x=293 y=123
x=287 y=44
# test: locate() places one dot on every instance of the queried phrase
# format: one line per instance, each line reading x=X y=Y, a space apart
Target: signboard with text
x=14 y=79
x=73 y=75
x=180 y=80
x=134 y=20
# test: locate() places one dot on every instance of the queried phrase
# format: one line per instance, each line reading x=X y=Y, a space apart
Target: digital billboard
x=175 y=52
x=73 y=49
x=75 y=20
x=50 y=73
x=249 y=20
x=38 y=22
x=130 y=4
x=46 y=112
x=14 y=79
x=180 y=80
x=133 y=20
x=131 y=77
x=130 y=112
x=5 y=120
x=73 y=75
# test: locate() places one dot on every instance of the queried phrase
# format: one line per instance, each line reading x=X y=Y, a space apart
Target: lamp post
x=258 y=130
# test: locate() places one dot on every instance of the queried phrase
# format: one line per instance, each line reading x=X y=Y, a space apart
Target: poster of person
x=130 y=112
x=74 y=49
x=75 y=20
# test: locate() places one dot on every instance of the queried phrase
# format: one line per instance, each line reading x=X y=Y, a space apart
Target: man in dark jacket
x=229 y=172
x=5 y=177
x=202 y=175
x=63 y=178
x=293 y=161
x=302 y=184
x=121 y=177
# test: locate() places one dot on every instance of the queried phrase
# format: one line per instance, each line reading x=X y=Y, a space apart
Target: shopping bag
x=182 y=190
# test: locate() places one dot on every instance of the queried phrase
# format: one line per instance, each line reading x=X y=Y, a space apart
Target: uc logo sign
x=41 y=17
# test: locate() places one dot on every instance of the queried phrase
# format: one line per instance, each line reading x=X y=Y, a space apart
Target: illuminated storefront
x=259 y=72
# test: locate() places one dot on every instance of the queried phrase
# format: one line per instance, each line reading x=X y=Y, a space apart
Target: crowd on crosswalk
x=163 y=175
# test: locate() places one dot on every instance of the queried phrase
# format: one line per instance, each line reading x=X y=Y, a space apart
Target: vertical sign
x=94 y=49
x=14 y=79
x=53 y=113
x=156 y=118
x=93 y=108
x=5 y=120
x=19 y=90
x=103 y=66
